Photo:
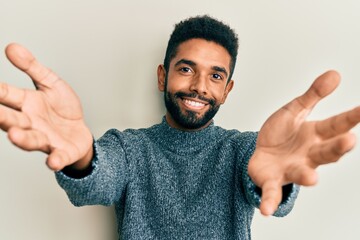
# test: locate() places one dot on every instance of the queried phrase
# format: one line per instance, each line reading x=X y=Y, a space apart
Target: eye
x=217 y=76
x=185 y=69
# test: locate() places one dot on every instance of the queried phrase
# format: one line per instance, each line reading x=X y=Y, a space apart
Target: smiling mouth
x=193 y=104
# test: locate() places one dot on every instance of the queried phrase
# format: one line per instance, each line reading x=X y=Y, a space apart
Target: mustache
x=210 y=101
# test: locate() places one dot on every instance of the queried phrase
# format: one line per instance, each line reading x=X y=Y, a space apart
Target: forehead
x=203 y=53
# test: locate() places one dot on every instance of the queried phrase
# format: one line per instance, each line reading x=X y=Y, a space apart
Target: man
x=184 y=178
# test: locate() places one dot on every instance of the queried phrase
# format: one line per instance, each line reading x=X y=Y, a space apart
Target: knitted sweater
x=170 y=184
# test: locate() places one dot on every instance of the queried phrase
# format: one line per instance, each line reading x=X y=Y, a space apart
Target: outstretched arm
x=47 y=119
x=289 y=148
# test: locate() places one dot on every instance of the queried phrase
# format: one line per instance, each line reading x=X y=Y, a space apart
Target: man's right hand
x=48 y=119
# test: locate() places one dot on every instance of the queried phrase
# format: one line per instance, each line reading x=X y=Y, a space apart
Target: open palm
x=289 y=148
x=49 y=118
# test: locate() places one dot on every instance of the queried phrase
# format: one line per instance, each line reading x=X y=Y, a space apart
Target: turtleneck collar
x=183 y=141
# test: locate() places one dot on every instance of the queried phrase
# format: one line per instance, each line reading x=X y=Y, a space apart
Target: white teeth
x=193 y=103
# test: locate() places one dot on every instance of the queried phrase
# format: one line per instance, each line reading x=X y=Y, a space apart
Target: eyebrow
x=185 y=61
x=192 y=63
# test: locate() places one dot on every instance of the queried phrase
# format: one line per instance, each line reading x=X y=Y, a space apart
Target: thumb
x=23 y=59
x=19 y=56
x=321 y=87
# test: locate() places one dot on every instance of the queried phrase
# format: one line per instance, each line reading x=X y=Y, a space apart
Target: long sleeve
x=166 y=183
x=106 y=183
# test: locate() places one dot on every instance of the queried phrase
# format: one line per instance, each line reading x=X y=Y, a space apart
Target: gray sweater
x=170 y=184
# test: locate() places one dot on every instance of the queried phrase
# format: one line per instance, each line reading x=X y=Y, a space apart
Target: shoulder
x=236 y=136
x=115 y=136
x=243 y=142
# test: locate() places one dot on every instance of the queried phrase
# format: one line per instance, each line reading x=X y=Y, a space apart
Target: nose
x=198 y=85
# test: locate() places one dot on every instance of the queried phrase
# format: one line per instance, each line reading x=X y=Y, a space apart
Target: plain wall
x=109 y=50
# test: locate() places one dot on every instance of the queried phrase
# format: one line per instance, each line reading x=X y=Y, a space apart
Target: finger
x=11 y=96
x=12 y=118
x=29 y=140
x=338 y=124
x=58 y=159
x=331 y=150
x=321 y=87
x=270 y=198
x=21 y=58
x=32 y=140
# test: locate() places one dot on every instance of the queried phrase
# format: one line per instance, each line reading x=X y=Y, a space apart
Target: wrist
x=82 y=167
x=84 y=162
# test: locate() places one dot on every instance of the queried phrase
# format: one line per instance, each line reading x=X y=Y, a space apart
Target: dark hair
x=203 y=27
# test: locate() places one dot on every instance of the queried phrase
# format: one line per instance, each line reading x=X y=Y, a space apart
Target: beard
x=187 y=118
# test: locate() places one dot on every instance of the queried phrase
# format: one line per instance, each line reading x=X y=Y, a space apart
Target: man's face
x=196 y=84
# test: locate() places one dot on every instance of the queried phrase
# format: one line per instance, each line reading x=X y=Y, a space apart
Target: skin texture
x=289 y=148
x=200 y=67
x=37 y=120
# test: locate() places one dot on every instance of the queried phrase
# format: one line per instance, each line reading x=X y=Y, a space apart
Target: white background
x=109 y=50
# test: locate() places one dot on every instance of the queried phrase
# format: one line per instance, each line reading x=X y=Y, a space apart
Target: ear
x=161 y=74
x=228 y=88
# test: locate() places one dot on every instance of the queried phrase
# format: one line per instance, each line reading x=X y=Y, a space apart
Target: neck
x=181 y=141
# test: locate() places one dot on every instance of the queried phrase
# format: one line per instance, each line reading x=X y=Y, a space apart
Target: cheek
x=218 y=94
x=221 y=99
x=175 y=85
